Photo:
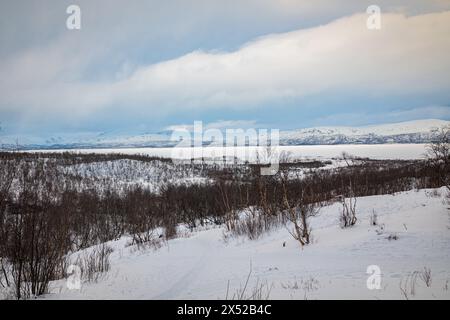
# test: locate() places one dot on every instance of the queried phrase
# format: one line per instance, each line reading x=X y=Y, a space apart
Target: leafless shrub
x=170 y=230
x=154 y=243
x=299 y=216
x=298 y=209
x=308 y=285
x=250 y=226
x=254 y=224
x=408 y=285
x=94 y=262
x=439 y=155
x=404 y=290
x=425 y=276
x=260 y=291
x=291 y=285
x=143 y=238
x=348 y=212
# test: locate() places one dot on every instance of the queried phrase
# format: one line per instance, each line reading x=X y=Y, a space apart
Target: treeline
x=44 y=216
x=70 y=158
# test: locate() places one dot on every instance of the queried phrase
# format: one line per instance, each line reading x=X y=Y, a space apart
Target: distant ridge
x=419 y=131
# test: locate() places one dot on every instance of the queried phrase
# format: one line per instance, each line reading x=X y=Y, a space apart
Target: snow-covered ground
x=202 y=265
x=148 y=175
x=317 y=152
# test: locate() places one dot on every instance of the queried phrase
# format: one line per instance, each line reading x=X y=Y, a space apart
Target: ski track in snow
x=176 y=289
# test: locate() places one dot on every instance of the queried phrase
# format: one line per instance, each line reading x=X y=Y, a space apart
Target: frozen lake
x=373 y=151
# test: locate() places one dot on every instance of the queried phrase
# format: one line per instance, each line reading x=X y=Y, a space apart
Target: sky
x=286 y=64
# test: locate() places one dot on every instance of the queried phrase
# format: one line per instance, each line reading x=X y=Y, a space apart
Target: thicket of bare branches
x=95 y=262
x=34 y=236
x=50 y=207
x=439 y=155
x=298 y=208
x=348 y=211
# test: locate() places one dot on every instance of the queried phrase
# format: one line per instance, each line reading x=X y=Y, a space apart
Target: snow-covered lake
x=373 y=151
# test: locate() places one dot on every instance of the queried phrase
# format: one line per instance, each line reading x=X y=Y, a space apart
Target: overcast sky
x=150 y=65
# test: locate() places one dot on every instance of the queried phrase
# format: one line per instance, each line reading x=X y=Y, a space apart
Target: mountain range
x=418 y=131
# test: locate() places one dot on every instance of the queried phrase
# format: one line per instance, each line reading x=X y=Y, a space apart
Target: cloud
x=428 y=112
x=220 y=125
x=366 y=118
x=407 y=56
x=180 y=127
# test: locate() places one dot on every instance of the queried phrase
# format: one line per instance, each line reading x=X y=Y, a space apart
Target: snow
x=408 y=127
x=202 y=265
x=418 y=131
x=149 y=175
x=319 y=152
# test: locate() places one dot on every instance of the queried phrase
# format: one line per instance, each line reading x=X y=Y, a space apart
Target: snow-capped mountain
x=419 y=131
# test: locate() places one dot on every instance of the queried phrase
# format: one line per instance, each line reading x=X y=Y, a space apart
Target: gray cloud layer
x=76 y=75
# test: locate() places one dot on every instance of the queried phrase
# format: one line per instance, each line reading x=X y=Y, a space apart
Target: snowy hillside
x=420 y=131
x=412 y=236
x=86 y=140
